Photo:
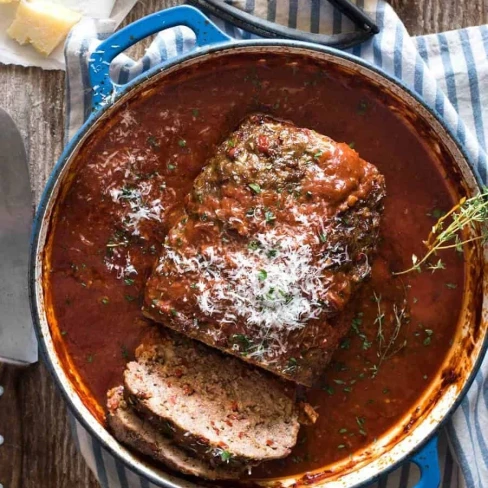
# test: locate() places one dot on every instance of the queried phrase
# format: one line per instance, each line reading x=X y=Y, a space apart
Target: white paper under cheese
x=98 y=9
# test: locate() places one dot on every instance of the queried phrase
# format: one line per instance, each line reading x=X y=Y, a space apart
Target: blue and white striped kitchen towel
x=449 y=70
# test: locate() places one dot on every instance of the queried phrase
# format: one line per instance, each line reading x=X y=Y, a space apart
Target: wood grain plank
x=429 y=16
x=35 y=99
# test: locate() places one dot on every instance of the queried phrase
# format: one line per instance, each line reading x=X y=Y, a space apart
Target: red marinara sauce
x=127 y=190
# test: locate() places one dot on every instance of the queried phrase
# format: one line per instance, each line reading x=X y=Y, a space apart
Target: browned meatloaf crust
x=140 y=435
x=279 y=230
x=213 y=405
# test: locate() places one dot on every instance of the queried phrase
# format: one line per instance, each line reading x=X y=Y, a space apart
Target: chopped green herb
x=262 y=274
x=253 y=245
x=323 y=237
x=317 y=155
x=309 y=194
x=345 y=343
x=347 y=389
x=130 y=298
x=339 y=382
x=105 y=300
x=182 y=143
x=193 y=286
x=292 y=365
x=195 y=112
x=362 y=107
x=436 y=213
x=129 y=281
x=125 y=352
x=255 y=188
x=451 y=286
x=352 y=145
x=173 y=312
x=89 y=358
x=360 y=421
x=153 y=142
x=269 y=216
x=272 y=253
x=342 y=431
x=427 y=340
x=63 y=332
x=366 y=344
x=225 y=456
x=386 y=391
x=328 y=389
x=171 y=167
x=428 y=331
x=341 y=446
x=231 y=143
x=242 y=341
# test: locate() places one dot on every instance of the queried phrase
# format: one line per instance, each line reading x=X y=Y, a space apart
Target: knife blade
x=17 y=339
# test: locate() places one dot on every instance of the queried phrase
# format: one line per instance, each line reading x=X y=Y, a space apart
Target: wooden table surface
x=46 y=457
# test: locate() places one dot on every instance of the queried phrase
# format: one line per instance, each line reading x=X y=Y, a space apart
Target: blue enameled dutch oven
x=414 y=436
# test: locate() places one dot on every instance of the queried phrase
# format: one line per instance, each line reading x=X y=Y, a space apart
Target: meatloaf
x=278 y=231
x=212 y=405
x=135 y=432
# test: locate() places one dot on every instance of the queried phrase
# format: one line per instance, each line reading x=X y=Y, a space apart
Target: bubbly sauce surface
x=127 y=192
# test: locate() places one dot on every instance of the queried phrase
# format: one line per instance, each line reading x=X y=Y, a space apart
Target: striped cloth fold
x=450 y=72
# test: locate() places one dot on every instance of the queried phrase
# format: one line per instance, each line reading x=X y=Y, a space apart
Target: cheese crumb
x=42 y=24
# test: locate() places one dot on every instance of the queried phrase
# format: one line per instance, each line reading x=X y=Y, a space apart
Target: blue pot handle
x=103 y=87
x=427 y=460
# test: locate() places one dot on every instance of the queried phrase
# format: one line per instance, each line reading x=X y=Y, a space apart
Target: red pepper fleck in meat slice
x=178 y=373
x=263 y=144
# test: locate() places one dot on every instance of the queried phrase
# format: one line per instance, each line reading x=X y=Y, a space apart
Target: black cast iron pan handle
x=264 y=28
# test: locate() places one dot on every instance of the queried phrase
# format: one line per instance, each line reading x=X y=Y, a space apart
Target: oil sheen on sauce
x=132 y=178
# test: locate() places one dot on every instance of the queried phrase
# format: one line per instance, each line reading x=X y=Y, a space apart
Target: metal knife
x=18 y=346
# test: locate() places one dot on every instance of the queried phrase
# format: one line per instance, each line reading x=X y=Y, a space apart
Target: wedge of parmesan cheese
x=43 y=24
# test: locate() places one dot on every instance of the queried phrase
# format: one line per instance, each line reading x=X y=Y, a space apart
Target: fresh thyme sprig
x=468 y=213
x=389 y=347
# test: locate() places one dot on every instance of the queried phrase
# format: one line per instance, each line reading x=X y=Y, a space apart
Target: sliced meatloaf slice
x=279 y=231
x=140 y=435
x=210 y=404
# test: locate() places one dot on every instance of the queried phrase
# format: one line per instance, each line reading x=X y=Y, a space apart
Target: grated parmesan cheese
x=276 y=286
x=138 y=206
x=124 y=270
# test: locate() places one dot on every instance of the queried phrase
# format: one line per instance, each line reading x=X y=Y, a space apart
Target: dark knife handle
x=10 y=426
